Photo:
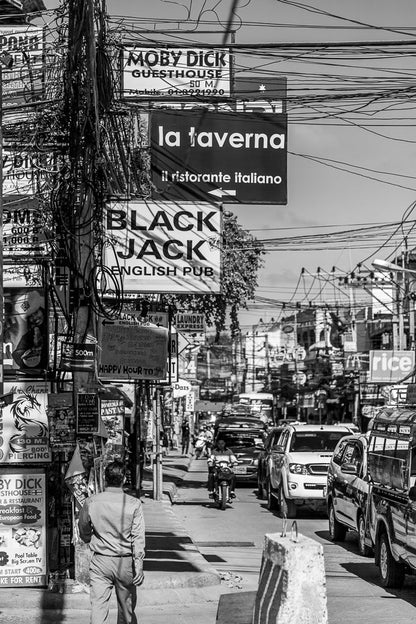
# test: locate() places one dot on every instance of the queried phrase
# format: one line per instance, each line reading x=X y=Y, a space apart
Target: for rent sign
x=163 y=247
x=175 y=72
x=225 y=156
x=391 y=366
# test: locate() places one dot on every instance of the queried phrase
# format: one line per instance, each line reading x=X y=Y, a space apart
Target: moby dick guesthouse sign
x=164 y=247
x=200 y=155
x=175 y=72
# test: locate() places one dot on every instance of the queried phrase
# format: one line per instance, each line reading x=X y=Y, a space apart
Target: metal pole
x=157 y=465
x=1 y=234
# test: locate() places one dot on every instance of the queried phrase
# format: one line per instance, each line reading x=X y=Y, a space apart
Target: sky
x=374 y=144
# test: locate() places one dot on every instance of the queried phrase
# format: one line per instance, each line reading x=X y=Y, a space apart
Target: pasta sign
x=163 y=247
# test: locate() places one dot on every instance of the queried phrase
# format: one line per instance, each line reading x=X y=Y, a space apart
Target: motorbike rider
x=220 y=453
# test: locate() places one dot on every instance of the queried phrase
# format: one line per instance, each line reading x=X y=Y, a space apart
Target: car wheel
x=271 y=500
x=287 y=507
x=391 y=572
x=337 y=531
x=364 y=550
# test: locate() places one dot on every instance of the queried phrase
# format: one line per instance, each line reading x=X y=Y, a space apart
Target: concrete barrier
x=292 y=587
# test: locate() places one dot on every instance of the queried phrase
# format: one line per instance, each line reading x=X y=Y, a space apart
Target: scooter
x=222 y=484
x=200 y=448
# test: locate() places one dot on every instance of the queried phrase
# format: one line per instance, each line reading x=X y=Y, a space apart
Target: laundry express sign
x=164 y=247
x=175 y=72
x=213 y=155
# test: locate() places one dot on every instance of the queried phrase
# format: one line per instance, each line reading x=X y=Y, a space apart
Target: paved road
x=232 y=541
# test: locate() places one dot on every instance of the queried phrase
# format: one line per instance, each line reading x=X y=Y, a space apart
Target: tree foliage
x=241 y=261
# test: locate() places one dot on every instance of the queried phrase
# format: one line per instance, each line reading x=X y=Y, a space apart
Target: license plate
x=240 y=469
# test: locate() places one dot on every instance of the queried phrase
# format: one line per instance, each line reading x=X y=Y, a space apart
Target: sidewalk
x=175 y=571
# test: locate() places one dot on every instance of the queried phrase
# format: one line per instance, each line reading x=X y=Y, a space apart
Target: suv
x=264 y=459
x=347 y=491
x=299 y=464
x=245 y=441
x=392 y=499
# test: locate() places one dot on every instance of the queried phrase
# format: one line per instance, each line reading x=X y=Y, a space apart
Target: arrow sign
x=222 y=192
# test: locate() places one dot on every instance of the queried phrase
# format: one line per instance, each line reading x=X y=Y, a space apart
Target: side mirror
x=278 y=449
x=349 y=469
x=412 y=493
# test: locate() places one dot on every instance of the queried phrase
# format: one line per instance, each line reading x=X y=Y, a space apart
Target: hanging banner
x=163 y=247
x=23 y=557
x=150 y=72
x=230 y=157
x=25 y=337
x=24 y=430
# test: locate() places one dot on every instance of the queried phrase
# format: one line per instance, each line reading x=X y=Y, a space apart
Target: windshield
x=310 y=441
x=241 y=440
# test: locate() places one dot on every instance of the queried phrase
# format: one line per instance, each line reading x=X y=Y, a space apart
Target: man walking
x=186 y=433
x=112 y=523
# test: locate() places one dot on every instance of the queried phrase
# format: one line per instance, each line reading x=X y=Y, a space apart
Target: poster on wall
x=87 y=413
x=24 y=430
x=61 y=417
x=25 y=337
x=23 y=561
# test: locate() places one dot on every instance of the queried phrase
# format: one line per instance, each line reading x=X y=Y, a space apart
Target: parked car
x=347 y=491
x=265 y=458
x=392 y=498
x=299 y=465
x=245 y=442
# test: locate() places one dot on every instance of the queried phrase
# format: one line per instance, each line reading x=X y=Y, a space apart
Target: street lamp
x=384 y=265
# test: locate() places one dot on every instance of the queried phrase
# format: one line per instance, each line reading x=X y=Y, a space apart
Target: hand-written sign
x=87 y=413
x=134 y=351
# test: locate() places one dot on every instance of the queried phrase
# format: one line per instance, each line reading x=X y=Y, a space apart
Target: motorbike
x=222 y=484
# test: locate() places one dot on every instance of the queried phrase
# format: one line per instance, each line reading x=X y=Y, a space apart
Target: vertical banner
x=23 y=559
x=25 y=336
x=87 y=413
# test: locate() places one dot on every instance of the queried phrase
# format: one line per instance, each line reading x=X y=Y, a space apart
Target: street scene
x=207 y=312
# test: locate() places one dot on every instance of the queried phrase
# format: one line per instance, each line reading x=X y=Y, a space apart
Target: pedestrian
x=111 y=522
x=186 y=433
x=165 y=443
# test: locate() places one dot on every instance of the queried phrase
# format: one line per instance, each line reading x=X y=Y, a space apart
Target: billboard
x=151 y=72
x=24 y=430
x=23 y=82
x=201 y=155
x=23 y=552
x=389 y=366
x=163 y=247
x=23 y=228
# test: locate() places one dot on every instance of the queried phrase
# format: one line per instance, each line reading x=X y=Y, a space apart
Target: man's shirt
x=226 y=455
x=112 y=523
